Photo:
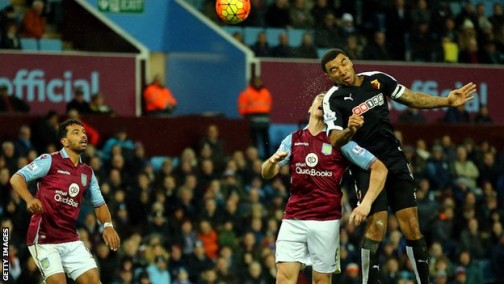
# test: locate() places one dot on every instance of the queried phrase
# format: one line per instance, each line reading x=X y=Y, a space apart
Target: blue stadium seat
x=4 y=3
x=295 y=37
x=250 y=34
x=54 y=45
x=321 y=51
x=272 y=35
x=29 y=44
x=232 y=29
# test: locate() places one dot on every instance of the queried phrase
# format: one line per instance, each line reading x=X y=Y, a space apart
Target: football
x=232 y=11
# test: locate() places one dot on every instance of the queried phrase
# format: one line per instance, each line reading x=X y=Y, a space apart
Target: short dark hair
x=330 y=55
x=62 y=131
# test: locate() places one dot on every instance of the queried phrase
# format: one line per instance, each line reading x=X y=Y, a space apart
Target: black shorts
x=399 y=192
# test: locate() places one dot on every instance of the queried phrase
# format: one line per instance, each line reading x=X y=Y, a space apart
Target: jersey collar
x=64 y=154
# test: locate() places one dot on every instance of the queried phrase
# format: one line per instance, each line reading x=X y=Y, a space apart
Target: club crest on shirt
x=45 y=263
x=84 y=179
x=375 y=84
x=326 y=149
x=73 y=190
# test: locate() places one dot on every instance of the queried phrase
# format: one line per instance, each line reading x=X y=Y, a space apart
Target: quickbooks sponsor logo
x=313 y=172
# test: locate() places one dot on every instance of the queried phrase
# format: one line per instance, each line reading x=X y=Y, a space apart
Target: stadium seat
x=321 y=51
x=29 y=44
x=231 y=29
x=272 y=35
x=250 y=34
x=4 y=3
x=295 y=37
x=54 y=45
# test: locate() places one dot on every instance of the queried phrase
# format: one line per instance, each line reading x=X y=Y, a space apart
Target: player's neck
x=74 y=157
x=358 y=81
x=315 y=126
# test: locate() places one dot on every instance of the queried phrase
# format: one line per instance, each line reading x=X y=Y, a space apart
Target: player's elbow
x=378 y=167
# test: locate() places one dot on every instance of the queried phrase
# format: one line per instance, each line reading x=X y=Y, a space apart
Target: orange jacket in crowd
x=158 y=97
x=253 y=101
x=33 y=25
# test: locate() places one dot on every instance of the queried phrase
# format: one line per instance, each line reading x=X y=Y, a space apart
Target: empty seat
x=54 y=45
x=321 y=52
x=29 y=44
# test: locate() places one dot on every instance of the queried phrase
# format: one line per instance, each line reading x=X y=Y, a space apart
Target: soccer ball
x=232 y=11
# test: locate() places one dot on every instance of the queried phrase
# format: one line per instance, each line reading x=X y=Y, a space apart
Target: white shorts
x=313 y=243
x=72 y=258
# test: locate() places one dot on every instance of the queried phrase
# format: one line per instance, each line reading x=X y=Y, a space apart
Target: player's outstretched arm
x=376 y=184
x=270 y=167
x=455 y=98
x=110 y=236
x=20 y=186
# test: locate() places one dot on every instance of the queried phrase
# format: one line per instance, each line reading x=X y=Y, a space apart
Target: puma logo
x=348 y=98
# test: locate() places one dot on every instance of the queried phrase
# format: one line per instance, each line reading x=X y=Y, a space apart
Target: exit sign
x=121 y=6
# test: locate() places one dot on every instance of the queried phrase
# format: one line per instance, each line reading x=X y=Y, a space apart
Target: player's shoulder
x=377 y=75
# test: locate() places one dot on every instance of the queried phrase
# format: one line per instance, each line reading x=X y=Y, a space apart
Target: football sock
x=419 y=257
x=370 y=262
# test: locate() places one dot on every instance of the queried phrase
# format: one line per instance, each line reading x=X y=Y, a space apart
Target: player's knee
x=285 y=276
x=321 y=278
x=58 y=278
x=376 y=229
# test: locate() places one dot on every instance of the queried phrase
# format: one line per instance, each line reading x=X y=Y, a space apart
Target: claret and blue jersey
x=61 y=187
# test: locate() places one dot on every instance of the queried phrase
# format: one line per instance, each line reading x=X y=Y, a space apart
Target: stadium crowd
x=207 y=216
x=403 y=30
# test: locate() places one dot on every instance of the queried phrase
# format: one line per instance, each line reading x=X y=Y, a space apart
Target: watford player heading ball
x=232 y=11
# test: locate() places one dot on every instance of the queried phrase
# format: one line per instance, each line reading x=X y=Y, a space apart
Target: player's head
x=316 y=106
x=73 y=136
x=338 y=67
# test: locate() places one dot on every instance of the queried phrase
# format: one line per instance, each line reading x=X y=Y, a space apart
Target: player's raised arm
x=455 y=98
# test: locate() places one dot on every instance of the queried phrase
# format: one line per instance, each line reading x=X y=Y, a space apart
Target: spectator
x=490 y=54
x=497 y=18
x=11 y=103
x=120 y=139
x=254 y=104
x=377 y=49
x=471 y=53
x=98 y=105
x=78 y=103
x=353 y=47
x=159 y=100
x=348 y=27
x=300 y=15
x=465 y=169
x=474 y=274
x=483 y=116
x=11 y=39
x=278 y=15
x=261 y=47
x=306 y=49
x=398 y=25
x=412 y=115
x=46 y=131
x=34 y=22
x=319 y=11
x=283 y=49
x=158 y=272
x=23 y=144
x=328 y=33
x=457 y=115
x=471 y=239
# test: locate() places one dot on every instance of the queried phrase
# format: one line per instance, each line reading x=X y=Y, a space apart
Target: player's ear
x=64 y=142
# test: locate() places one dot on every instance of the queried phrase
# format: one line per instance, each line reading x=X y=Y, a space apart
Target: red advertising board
x=294 y=84
x=47 y=82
